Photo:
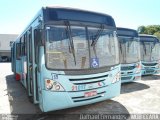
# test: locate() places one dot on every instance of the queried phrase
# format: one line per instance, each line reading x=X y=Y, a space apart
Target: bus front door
x=32 y=86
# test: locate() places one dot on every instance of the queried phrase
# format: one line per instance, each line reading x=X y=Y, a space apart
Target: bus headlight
x=158 y=61
x=138 y=68
x=137 y=71
x=117 y=77
x=158 y=66
x=53 y=85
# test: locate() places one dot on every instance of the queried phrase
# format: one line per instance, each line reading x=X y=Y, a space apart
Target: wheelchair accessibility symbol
x=94 y=62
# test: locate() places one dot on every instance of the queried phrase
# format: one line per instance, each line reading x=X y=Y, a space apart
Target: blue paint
x=54 y=76
x=94 y=62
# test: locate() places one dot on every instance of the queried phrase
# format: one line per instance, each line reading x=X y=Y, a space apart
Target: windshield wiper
x=94 y=41
x=120 y=44
x=70 y=40
x=122 y=52
x=128 y=45
x=130 y=41
x=144 y=47
x=152 y=46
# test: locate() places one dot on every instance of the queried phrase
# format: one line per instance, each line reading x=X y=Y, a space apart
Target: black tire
x=31 y=99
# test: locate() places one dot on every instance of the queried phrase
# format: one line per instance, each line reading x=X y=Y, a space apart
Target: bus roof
x=71 y=14
x=148 y=38
x=127 y=32
x=146 y=35
x=55 y=13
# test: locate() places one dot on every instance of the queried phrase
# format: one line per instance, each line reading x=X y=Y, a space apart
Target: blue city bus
x=150 y=54
x=12 y=56
x=15 y=60
x=68 y=57
x=129 y=54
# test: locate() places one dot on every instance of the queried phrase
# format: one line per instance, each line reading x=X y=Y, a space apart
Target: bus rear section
x=150 y=55
x=16 y=60
x=72 y=58
x=129 y=55
x=13 y=57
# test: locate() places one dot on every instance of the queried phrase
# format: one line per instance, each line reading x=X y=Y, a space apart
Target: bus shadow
x=108 y=107
x=132 y=87
x=19 y=102
x=150 y=77
x=21 y=106
x=104 y=107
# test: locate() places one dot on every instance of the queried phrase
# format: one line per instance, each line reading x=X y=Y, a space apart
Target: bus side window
x=25 y=44
x=18 y=51
x=37 y=43
x=21 y=46
x=30 y=46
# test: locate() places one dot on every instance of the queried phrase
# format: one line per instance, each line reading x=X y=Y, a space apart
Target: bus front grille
x=124 y=68
x=149 y=64
x=83 y=98
x=126 y=78
x=88 y=80
x=149 y=71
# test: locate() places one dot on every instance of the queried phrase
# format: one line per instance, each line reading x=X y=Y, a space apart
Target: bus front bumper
x=150 y=71
x=60 y=100
x=131 y=78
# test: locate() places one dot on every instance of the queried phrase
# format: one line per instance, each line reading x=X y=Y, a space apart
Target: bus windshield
x=150 y=51
x=129 y=50
x=79 y=47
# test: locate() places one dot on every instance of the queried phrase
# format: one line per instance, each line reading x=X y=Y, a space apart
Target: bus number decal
x=78 y=87
x=74 y=88
x=54 y=76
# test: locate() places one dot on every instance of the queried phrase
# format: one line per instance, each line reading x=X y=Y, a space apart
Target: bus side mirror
x=38 y=37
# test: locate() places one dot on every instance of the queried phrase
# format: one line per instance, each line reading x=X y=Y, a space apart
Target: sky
x=15 y=15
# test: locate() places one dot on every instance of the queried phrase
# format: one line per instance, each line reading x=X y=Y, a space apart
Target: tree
x=157 y=34
x=141 y=29
x=150 y=29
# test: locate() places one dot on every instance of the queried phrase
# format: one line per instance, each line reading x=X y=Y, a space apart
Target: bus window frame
x=92 y=70
x=37 y=42
x=25 y=44
x=30 y=45
x=18 y=51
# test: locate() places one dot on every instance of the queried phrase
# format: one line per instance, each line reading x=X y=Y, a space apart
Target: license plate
x=90 y=94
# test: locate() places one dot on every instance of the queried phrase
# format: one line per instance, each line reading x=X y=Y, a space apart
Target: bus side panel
x=13 y=59
x=23 y=71
x=40 y=76
x=18 y=69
